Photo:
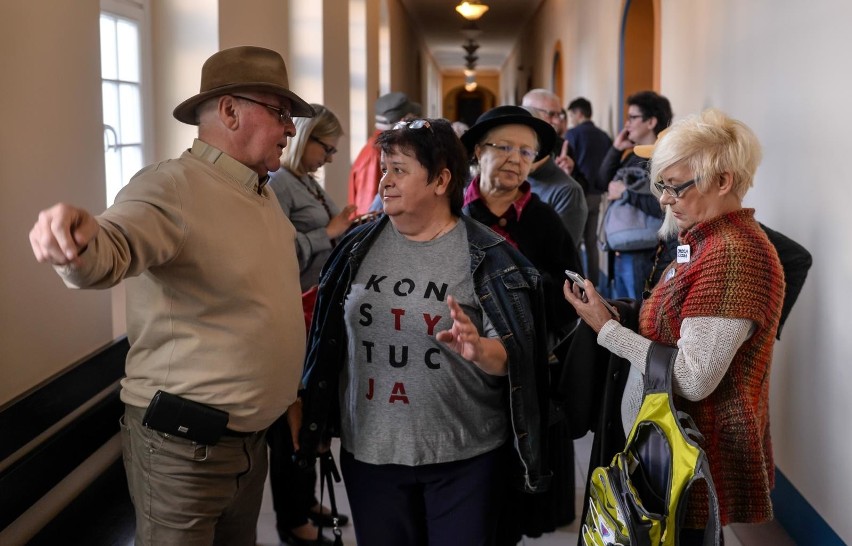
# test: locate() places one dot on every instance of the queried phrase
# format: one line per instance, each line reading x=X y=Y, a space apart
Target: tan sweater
x=213 y=301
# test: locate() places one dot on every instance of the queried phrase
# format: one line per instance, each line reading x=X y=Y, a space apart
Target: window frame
x=139 y=12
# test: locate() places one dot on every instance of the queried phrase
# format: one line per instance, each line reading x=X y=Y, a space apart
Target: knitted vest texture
x=733 y=272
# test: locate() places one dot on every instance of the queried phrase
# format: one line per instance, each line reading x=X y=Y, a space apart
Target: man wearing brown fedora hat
x=216 y=348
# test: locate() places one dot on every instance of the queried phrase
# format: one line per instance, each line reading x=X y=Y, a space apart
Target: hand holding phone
x=578 y=279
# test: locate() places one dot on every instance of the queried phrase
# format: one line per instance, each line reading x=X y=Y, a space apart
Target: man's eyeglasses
x=674 y=191
x=413 y=124
x=527 y=154
x=631 y=117
x=329 y=150
x=283 y=114
x=549 y=113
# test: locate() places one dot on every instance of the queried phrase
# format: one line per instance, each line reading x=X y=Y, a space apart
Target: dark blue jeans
x=444 y=504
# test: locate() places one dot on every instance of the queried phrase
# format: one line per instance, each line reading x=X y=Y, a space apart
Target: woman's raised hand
x=338 y=225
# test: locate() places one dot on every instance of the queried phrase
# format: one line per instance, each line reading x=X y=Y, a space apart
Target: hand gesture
x=488 y=354
x=61 y=233
x=622 y=142
x=338 y=225
x=563 y=160
x=462 y=337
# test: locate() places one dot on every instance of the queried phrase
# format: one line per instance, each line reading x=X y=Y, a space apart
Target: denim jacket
x=509 y=290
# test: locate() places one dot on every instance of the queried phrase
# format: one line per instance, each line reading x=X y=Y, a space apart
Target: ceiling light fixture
x=470 y=30
x=471 y=10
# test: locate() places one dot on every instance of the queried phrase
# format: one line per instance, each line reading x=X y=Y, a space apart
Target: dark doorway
x=469 y=106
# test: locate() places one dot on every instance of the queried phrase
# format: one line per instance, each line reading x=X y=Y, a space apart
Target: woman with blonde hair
x=719 y=302
x=318 y=221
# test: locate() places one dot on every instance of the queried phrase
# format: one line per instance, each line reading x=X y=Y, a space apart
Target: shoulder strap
x=658 y=368
x=328 y=472
x=658 y=379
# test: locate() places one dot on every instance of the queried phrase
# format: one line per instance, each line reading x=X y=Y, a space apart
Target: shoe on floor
x=323 y=518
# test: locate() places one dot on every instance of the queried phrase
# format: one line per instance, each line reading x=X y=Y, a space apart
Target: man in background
x=366 y=170
x=589 y=145
x=559 y=190
x=212 y=293
x=546 y=105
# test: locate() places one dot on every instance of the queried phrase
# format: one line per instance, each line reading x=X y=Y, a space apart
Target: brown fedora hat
x=243 y=68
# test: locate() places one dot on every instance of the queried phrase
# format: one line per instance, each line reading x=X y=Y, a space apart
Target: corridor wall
x=781 y=67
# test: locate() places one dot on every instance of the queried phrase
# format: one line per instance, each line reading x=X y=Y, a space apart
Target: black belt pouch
x=171 y=414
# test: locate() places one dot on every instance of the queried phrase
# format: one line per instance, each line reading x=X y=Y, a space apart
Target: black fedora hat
x=242 y=68
x=510 y=115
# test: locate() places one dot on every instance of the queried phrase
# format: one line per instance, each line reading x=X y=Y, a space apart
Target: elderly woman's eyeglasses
x=329 y=150
x=413 y=124
x=283 y=114
x=527 y=154
x=674 y=191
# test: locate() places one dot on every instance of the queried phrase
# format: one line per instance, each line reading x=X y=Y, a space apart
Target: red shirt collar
x=472 y=193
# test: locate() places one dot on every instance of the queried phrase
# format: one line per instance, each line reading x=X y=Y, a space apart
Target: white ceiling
x=441 y=27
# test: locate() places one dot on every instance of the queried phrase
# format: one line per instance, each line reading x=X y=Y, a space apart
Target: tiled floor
x=747 y=535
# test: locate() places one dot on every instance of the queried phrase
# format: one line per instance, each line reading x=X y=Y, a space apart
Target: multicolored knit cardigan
x=733 y=272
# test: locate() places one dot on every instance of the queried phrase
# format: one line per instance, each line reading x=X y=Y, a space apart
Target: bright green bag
x=640 y=498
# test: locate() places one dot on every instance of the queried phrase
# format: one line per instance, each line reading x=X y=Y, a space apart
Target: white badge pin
x=683 y=254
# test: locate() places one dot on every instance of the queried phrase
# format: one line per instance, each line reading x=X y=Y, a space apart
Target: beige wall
x=318 y=38
x=183 y=35
x=784 y=71
x=589 y=33
x=52 y=150
x=405 y=58
x=239 y=24
x=777 y=66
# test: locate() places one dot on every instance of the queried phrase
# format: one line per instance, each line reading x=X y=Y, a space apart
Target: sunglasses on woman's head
x=413 y=124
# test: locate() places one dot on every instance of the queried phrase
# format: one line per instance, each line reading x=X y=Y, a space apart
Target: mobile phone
x=578 y=279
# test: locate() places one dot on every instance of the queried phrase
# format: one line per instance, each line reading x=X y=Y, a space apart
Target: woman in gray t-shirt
x=427 y=349
x=318 y=221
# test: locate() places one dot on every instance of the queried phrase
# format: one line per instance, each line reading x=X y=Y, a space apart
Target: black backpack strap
x=713 y=531
x=328 y=472
x=659 y=367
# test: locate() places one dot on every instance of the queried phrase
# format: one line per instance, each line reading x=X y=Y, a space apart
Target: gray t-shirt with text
x=405 y=397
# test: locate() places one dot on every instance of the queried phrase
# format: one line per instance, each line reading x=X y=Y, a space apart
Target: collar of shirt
x=472 y=193
x=239 y=172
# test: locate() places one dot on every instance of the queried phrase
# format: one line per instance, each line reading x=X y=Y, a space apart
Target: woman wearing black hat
x=505 y=142
x=425 y=356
